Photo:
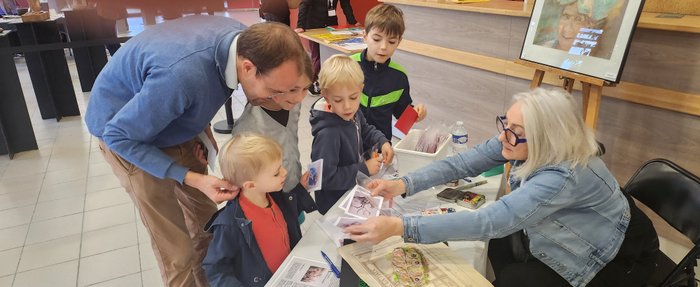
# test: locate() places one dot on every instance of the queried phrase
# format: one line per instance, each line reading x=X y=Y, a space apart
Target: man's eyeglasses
x=511 y=137
x=275 y=94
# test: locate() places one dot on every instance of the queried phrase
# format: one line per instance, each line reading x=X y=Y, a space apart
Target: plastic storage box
x=410 y=160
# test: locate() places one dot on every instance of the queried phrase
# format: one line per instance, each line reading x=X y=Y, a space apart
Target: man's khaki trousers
x=173 y=214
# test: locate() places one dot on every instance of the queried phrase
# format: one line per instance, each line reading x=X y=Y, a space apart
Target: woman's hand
x=373 y=164
x=376 y=229
x=386 y=188
x=422 y=111
x=387 y=153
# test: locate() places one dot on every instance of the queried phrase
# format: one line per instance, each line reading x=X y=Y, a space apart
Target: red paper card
x=406 y=120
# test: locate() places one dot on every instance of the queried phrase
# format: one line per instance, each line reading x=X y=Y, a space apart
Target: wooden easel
x=591 y=88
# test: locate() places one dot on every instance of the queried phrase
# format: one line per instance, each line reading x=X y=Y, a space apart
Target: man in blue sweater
x=158 y=93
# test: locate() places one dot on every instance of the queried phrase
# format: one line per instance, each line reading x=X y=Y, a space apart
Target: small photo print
x=362 y=204
x=344 y=222
x=315 y=175
x=313 y=274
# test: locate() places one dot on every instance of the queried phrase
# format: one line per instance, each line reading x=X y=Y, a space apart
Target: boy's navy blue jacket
x=340 y=144
x=234 y=257
x=386 y=92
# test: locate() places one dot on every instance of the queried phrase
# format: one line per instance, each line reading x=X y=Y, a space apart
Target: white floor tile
x=8 y=264
x=62 y=190
x=13 y=237
x=108 y=239
x=16 y=216
x=26 y=168
x=25 y=183
x=109 y=216
x=42 y=231
x=68 y=162
x=143 y=235
x=102 y=182
x=101 y=168
x=49 y=253
x=151 y=278
x=106 y=198
x=6 y=281
x=18 y=199
x=59 y=275
x=132 y=280
x=57 y=208
x=110 y=265
x=148 y=258
x=64 y=175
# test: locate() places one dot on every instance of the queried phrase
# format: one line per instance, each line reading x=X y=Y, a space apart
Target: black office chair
x=674 y=194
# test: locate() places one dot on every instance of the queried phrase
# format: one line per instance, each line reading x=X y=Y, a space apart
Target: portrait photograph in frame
x=589 y=37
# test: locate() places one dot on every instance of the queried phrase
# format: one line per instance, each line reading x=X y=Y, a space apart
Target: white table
x=315 y=239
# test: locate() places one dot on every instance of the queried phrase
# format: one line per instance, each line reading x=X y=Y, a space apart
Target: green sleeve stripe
x=389 y=98
x=398 y=67
x=363 y=100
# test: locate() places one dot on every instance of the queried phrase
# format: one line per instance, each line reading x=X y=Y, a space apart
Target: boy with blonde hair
x=386 y=90
x=250 y=242
x=341 y=134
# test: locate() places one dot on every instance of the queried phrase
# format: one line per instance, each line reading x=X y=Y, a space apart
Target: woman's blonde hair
x=554 y=130
x=340 y=70
x=244 y=156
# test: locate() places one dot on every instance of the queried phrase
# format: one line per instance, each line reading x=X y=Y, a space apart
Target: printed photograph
x=313 y=274
x=581 y=27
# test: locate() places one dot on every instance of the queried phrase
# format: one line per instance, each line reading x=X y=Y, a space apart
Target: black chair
x=674 y=194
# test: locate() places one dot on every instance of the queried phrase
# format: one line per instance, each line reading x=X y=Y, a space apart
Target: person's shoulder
x=397 y=67
x=224 y=217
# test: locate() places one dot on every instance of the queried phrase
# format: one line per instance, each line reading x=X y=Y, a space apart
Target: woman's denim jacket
x=576 y=218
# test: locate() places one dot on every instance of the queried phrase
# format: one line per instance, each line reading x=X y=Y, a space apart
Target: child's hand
x=373 y=165
x=304 y=180
x=421 y=110
x=299 y=30
x=387 y=153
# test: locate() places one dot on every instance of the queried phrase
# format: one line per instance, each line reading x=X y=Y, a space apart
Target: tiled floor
x=64 y=219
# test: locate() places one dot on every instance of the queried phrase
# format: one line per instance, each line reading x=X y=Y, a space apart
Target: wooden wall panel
x=455 y=92
x=479 y=33
x=664 y=59
x=636 y=133
x=632 y=133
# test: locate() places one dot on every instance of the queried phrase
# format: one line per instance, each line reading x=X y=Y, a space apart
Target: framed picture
x=589 y=37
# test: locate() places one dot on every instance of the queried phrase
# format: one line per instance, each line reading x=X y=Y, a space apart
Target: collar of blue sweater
x=230 y=73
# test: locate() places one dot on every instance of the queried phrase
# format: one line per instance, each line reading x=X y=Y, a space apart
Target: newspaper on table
x=372 y=263
x=302 y=272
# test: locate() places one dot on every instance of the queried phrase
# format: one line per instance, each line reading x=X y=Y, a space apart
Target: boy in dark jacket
x=386 y=90
x=314 y=14
x=249 y=241
x=340 y=131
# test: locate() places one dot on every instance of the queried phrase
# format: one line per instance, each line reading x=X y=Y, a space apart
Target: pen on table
x=471 y=184
x=330 y=263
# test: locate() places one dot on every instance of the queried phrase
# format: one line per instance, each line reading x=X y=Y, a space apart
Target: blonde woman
x=583 y=231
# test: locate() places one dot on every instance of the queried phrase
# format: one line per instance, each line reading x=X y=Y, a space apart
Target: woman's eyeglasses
x=511 y=137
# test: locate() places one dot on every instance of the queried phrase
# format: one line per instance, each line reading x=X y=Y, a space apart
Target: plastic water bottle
x=460 y=137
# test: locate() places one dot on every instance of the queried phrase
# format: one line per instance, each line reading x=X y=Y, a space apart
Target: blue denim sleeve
x=468 y=163
x=541 y=196
x=160 y=101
